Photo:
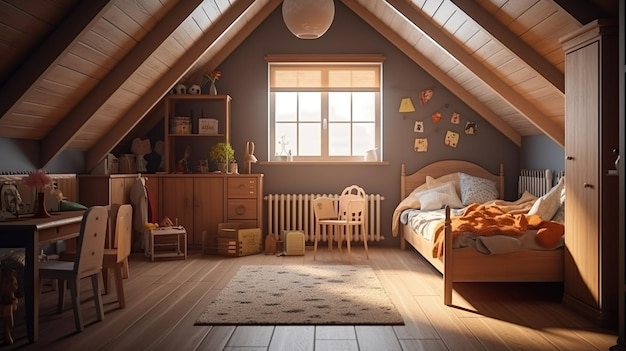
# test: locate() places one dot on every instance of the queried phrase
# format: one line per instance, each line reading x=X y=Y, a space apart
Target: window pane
x=286 y=137
x=286 y=107
x=339 y=109
x=310 y=140
x=364 y=105
x=363 y=138
x=310 y=107
x=339 y=139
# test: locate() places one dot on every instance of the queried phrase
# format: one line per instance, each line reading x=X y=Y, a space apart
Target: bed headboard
x=440 y=168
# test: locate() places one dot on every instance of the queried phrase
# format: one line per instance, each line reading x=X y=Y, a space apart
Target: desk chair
x=117 y=257
x=87 y=263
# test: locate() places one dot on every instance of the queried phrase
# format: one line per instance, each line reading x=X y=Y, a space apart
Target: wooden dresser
x=591 y=205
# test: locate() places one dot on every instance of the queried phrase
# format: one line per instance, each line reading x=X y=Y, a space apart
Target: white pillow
x=547 y=205
x=452 y=177
x=436 y=198
x=476 y=189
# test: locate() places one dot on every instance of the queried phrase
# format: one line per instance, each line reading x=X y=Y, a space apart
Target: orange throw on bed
x=493 y=220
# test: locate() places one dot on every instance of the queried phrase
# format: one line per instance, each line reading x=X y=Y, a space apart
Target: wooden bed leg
x=447 y=260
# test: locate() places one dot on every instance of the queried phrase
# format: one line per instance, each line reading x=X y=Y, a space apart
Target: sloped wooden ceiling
x=79 y=75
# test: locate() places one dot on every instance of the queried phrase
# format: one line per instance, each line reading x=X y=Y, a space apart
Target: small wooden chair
x=87 y=263
x=117 y=257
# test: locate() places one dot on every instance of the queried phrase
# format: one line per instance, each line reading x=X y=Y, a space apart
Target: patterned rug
x=304 y=295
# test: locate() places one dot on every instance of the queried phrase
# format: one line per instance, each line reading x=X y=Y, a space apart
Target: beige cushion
x=452 y=177
x=436 y=198
x=547 y=205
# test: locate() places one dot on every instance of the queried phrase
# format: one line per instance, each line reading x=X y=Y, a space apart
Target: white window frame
x=370 y=63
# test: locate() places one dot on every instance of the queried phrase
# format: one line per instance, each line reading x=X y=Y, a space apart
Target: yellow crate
x=235 y=241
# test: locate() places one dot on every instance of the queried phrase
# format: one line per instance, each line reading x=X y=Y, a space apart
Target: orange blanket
x=490 y=219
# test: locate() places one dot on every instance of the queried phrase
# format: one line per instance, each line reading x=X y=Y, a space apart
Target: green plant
x=221 y=152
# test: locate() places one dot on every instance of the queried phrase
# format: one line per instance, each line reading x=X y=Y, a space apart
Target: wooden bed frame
x=467 y=264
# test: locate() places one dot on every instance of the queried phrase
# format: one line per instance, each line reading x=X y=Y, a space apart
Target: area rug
x=304 y=295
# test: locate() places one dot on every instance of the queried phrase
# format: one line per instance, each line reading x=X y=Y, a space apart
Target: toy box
x=235 y=241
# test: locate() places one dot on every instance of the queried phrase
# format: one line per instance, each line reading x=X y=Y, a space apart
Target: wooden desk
x=28 y=233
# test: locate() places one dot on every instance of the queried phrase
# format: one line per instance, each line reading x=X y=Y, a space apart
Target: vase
x=41 y=206
x=212 y=89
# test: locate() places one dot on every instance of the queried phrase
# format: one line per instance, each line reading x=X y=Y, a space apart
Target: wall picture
x=470 y=128
x=456 y=118
x=421 y=144
x=419 y=127
x=452 y=138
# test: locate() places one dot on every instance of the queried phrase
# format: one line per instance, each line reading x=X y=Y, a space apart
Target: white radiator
x=536 y=181
x=294 y=212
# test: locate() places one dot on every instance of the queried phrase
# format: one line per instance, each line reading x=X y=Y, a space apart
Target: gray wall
x=18 y=155
x=541 y=152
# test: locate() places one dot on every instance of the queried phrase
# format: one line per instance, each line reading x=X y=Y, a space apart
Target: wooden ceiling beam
x=63 y=133
x=47 y=54
x=435 y=71
x=163 y=85
x=512 y=42
x=485 y=74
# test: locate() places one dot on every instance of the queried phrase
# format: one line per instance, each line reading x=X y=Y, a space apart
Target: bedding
x=494 y=227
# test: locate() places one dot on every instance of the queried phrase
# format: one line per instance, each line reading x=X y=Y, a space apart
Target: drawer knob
x=240 y=210
x=587 y=185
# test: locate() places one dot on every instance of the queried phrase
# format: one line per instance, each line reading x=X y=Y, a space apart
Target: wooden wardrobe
x=591 y=200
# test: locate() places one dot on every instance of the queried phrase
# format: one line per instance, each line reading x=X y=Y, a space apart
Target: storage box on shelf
x=195 y=122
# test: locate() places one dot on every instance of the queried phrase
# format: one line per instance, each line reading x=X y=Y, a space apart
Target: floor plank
x=164 y=299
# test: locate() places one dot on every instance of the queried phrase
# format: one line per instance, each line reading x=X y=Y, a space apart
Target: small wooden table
x=29 y=233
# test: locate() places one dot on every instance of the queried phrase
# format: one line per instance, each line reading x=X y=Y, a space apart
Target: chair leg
x=317 y=238
x=364 y=236
x=119 y=285
x=105 y=280
x=74 y=292
x=125 y=269
x=61 y=298
x=97 y=297
x=348 y=239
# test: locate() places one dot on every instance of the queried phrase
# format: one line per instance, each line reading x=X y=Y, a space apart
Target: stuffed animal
x=194 y=89
x=8 y=287
x=141 y=148
x=179 y=89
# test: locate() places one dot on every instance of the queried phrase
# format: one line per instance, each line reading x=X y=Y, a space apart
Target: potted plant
x=222 y=154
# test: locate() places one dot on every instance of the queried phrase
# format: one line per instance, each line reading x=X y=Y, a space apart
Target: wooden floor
x=163 y=299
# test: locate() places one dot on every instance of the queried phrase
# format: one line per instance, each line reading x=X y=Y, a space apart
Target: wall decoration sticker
x=456 y=118
x=470 y=128
x=419 y=127
x=452 y=138
x=425 y=96
x=421 y=144
x=436 y=117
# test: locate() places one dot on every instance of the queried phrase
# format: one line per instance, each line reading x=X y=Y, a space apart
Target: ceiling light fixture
x=308 y=19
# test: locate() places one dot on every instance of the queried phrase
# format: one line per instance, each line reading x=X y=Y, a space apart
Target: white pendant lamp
x=308 y=19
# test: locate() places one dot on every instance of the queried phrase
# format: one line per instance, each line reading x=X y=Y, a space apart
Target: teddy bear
x=8 y=300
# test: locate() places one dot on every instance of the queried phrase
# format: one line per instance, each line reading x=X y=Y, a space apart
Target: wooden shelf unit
x=194 y=106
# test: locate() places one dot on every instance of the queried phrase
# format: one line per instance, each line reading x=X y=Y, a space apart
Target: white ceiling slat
x=518 y=47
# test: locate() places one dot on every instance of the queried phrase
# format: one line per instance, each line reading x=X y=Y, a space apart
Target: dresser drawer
x=242 y=187
x=242 y=209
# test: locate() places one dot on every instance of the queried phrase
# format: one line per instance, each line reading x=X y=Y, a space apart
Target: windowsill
x=323 y=163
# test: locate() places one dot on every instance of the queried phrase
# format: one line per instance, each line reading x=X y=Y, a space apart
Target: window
x=324 y=109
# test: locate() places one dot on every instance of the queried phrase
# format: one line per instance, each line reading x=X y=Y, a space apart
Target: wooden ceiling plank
x=433 y=70
x=64 y=131
x=163 y=85
x=533 y=114
x=82 y=17
x=518 y=47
